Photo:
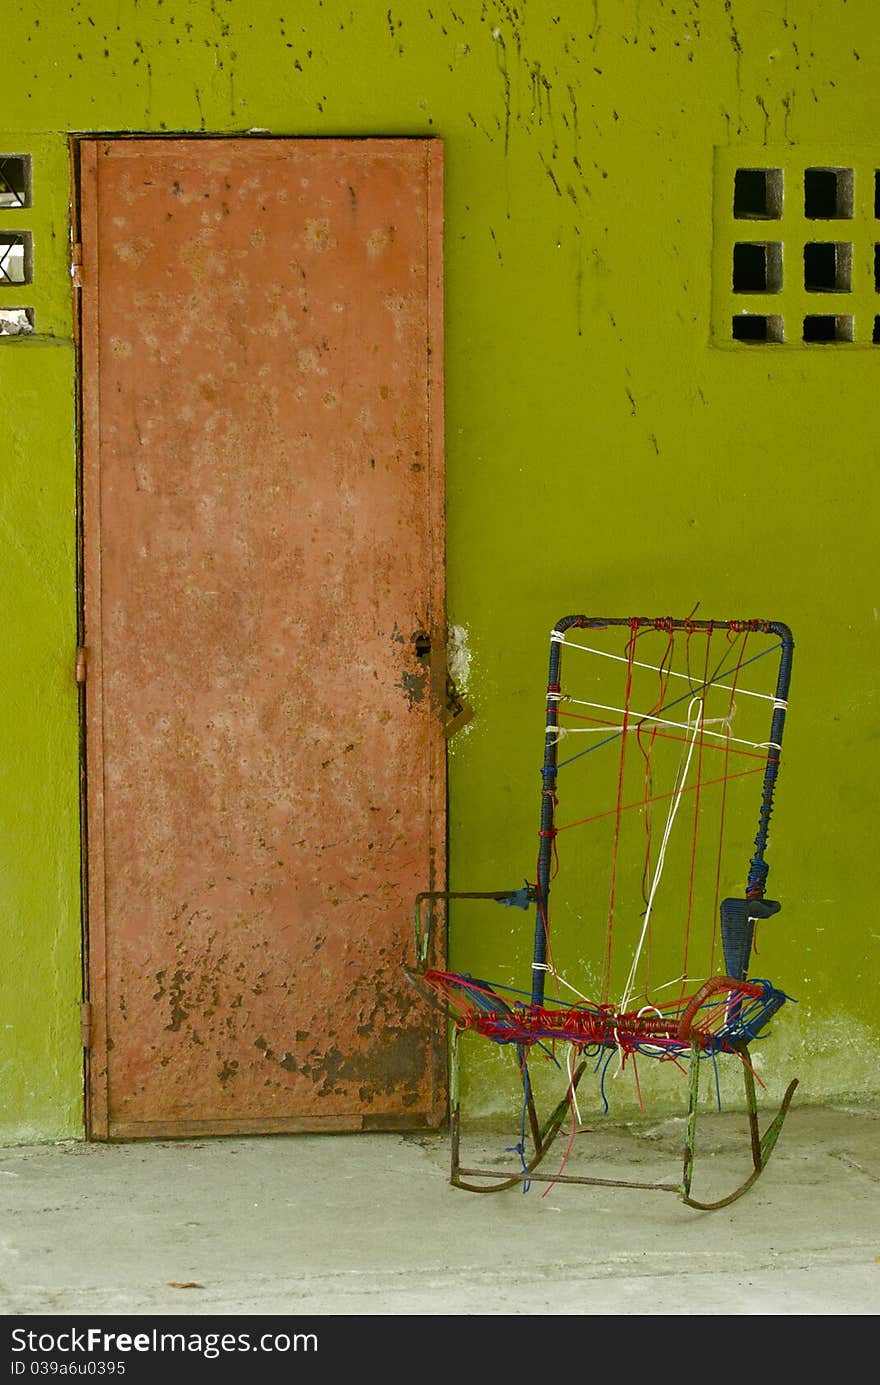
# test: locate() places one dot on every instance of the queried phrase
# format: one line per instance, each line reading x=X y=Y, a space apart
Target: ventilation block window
x=757 y=194
x=796 y=247
x=15 y=180
x=822 y=327
x=757 y=267
x=827 y=267
x=16 y=244
x=15 y=257
x=828 y=193
x=757 y=327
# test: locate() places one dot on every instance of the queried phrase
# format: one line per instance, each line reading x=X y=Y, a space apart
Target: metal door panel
x=262 y=491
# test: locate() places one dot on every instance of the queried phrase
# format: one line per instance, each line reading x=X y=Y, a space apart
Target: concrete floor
x=368 y=1225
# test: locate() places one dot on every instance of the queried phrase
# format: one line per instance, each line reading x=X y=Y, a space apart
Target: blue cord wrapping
x=520 y=1149
x=611 y=1053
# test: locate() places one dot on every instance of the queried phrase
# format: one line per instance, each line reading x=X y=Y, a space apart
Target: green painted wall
x=602 y=454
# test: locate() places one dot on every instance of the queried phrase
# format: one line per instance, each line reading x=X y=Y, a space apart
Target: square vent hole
x=757 y=327
x=757 y=267
x=16 y=322
x=828 y=193
x=827 y=266
x=15 y=257
x=757 y=194
x=828 y=327
x=15 y=180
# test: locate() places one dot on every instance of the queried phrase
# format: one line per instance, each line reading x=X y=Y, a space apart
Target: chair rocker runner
x=654 y=746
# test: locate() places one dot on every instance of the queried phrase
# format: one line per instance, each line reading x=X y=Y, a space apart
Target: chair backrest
x=662 y=746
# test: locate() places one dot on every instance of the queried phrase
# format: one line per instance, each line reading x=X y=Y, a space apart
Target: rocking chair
x=653 y=746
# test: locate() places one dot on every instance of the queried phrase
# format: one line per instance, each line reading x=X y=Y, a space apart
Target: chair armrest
x=520 y=899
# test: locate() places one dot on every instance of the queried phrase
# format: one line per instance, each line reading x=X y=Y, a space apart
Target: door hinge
x=80 y=664
x=86 y=1022
x=76 y=266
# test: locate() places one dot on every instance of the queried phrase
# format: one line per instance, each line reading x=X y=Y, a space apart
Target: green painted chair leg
x=691 y=1133
x=761 y=1145
x=542 y=1135
x=552 y=1125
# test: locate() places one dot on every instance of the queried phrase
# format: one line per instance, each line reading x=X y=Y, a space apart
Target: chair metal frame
x=738 y=918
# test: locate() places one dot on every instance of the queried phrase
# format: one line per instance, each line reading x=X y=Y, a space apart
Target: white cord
x=656 y=668
x=695 y=703
x=640 y=718
x=545 y=966
x=571 y=1087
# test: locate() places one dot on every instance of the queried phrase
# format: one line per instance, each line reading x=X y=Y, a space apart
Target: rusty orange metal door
x=262 y=499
